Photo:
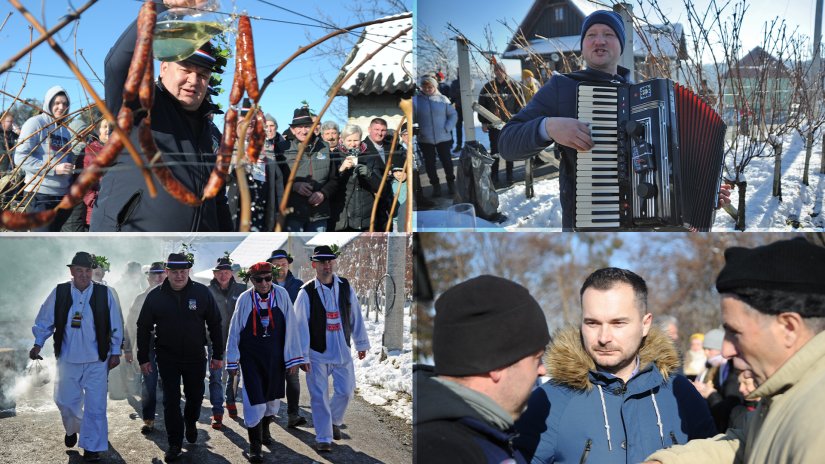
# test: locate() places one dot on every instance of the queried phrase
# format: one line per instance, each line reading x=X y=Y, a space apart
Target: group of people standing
x=265 y=335
x=615 y=392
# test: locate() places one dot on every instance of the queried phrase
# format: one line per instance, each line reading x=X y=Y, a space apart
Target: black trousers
x=459 y=126
x=494 y=134
x=443 y=150
x=171 y=372
x=293 y=392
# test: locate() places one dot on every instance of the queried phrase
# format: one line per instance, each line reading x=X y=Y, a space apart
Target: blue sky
x=470 y=16
x=275 y=36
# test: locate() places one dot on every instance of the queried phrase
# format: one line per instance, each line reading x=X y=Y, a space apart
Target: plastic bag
x=473 y=182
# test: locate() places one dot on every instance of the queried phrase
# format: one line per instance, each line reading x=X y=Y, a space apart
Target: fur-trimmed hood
x=568 y=363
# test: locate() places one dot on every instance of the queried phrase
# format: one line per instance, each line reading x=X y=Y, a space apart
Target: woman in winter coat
x=436 y=119
x=359 y=178
x=92 y=149
x=45 y=156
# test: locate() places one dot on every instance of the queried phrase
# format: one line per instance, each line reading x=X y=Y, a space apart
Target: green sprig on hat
x=101 y=262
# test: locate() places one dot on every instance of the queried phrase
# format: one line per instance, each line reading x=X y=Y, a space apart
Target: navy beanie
x=609 y=18
x=486 y=323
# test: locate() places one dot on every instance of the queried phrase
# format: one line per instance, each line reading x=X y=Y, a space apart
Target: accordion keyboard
x=597 y=170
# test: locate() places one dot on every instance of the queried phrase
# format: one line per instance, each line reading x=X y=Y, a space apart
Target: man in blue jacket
x=292 y=285
x=613 y=396
x=550 y=117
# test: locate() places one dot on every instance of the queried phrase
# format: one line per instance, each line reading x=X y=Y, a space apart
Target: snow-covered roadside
x=386 y=383
x=801 y=207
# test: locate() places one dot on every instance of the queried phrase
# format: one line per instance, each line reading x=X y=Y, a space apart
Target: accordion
x=657 y=158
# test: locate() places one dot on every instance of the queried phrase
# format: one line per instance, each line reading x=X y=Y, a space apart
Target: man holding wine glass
x=264 y=342
x=180 y=127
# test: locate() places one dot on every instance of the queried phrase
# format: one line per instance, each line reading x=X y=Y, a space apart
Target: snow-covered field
x=386 y=383
x=800 y=209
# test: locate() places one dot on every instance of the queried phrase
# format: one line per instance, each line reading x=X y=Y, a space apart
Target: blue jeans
x=297 y=224
x=149 y=389
x=216 y=389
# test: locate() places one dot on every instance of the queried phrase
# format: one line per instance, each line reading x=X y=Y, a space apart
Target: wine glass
x=180 y=32
x=461 y=216
x=265 y=323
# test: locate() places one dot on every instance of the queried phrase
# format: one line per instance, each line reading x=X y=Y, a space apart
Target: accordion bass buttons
x=646 y=190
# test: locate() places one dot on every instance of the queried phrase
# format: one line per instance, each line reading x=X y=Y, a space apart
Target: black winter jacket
x=359 y=192
x=178 y=321
x=123 y=203
x=226 y=301
x=316 y=167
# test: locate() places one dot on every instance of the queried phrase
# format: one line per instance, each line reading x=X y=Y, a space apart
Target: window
x=558 y=13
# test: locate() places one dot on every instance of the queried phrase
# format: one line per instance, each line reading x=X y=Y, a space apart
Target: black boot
x=266 y=438
x=436 y=190
x=255 y=443
x=451 y=187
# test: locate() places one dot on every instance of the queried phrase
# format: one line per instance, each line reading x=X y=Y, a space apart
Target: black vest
x=100 y=309
x=318 y=314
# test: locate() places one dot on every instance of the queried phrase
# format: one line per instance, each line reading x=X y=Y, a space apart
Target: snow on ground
x=386 y=383
x=801 y=206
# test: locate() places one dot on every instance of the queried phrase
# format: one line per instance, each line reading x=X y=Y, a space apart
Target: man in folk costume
x=84 y=318
x=264 y=341
x=330 y=318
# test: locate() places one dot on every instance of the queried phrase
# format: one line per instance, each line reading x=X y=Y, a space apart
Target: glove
x=362 y=170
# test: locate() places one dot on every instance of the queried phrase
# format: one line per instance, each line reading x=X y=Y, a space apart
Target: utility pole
x=394 y=289
x=465 y=80
x=625 y=10
x=816 y=64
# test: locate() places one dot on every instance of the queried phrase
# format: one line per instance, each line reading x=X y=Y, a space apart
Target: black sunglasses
x=258 y=279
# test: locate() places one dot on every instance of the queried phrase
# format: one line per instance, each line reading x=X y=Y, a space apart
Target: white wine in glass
x=180 y=32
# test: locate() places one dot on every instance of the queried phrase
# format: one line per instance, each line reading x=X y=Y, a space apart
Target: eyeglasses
x=258 y=279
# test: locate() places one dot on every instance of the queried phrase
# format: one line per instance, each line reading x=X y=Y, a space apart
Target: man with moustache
x=85 y=319
x=284 y=278
x=489 y=336
x=264 y=342
x=226 y=291
x=330 y=322
x=155 y=275
x=613 y=396
x=773 y=308
x=176 y=311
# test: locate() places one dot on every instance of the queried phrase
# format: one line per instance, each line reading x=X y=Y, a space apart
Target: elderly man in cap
x=284 y=278
x=155 y=275
x=315 y=177
x=489 y=336
x=773 y=308
x=264 y=341
x=226 y=291
x=182 y=130
x=176 y=310
x=331 y=321
x=84 y=318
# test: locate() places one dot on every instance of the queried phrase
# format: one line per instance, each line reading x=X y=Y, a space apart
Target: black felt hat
x=224 y=264
x=157 y=267
x=177 y=261
x=795 y=265
x=484 y=324
x=322 y=253
x=277 y=254
x=83 y=259
x=301 y=117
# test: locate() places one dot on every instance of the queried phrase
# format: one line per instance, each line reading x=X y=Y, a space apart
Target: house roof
x=753 y=65
x=255 y=248
x=663 y=41
x=384 y=72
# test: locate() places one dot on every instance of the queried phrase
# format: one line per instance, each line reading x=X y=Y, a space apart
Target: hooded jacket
x=123 y=203
x=449 y=429
x=520 y=138
x=48 y=146
x=583 y=415
x=786 y=426
x=436 y=118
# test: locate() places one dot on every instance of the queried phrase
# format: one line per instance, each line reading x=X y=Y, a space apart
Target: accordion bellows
x=657 y=158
